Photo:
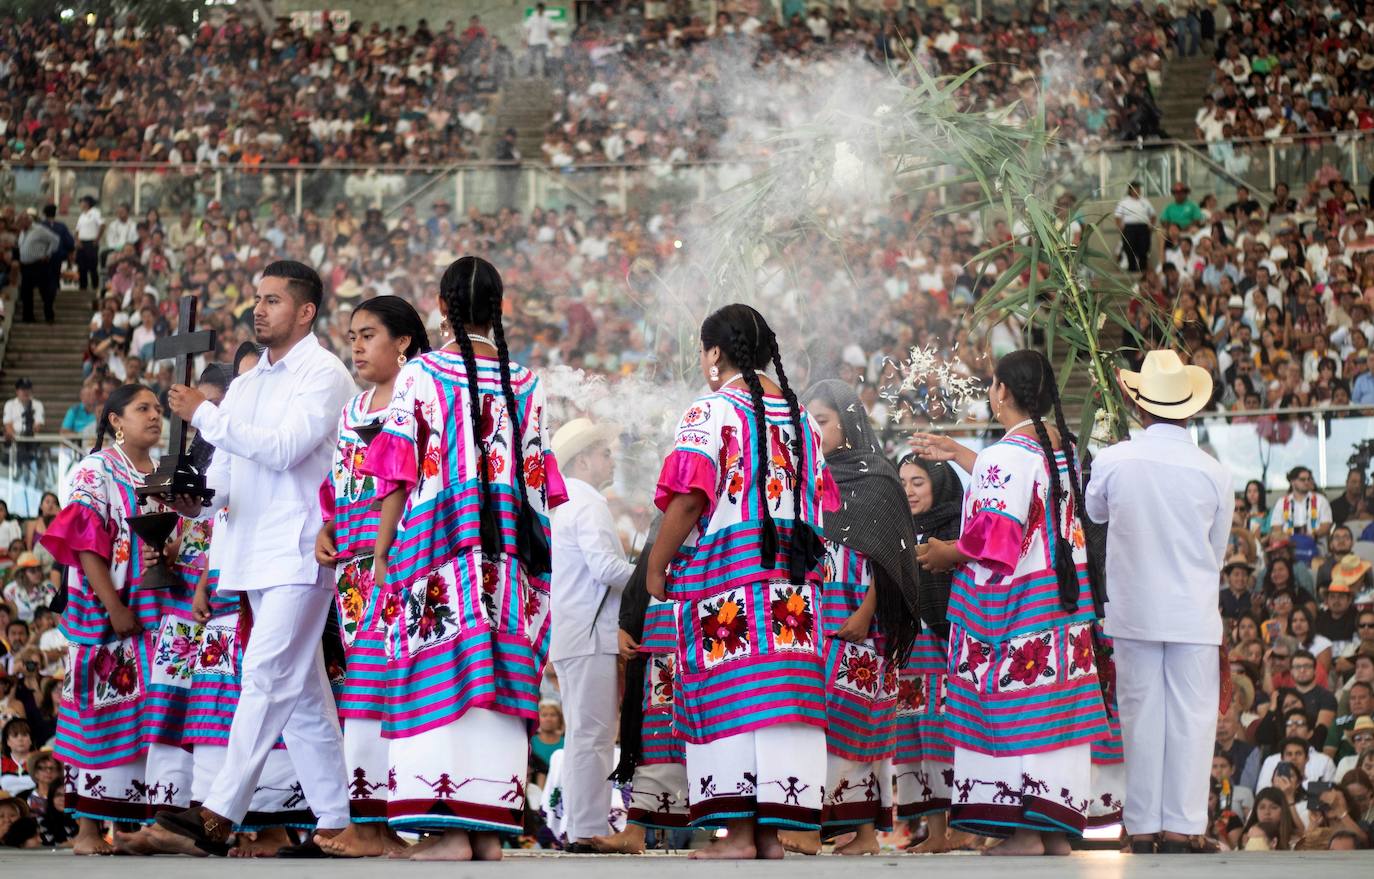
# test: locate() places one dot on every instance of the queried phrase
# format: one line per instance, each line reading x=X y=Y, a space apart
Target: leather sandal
x=193 y=824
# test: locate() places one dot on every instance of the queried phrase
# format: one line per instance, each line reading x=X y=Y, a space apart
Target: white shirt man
x=589 y=572
x=15 y=422
x=1302 y=509
x=1169 y=507
x=88 y=225
x=1319 y=768
x=120 y=231
x=273 y=437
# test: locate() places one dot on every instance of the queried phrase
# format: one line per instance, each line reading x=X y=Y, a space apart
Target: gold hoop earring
x=400 y=360
x=119 y=435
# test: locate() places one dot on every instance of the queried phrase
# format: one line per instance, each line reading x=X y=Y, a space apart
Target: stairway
x=1180 y=94
x=527 y=105
x=50 y=356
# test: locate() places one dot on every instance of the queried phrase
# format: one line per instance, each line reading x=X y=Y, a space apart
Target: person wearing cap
x=589 y=574
x=1134 y=217
x=29 y=590
x=1169 y=506
x=1183 y=212
x=1236 y=598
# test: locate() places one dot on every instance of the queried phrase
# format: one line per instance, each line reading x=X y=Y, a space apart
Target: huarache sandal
x=193 y=824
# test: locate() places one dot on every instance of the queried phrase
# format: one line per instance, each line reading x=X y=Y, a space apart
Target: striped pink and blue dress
x=861 y=701
x=923 y=755
x=120 y=695
x=1024 y=704
x=660 y=745
x=463 y=631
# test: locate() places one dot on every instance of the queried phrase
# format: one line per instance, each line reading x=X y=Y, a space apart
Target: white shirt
x=88 y=225
x=538 y=28
x=274 y=439
x=14 y=415
x=1134 y=211
x=1291 y=512
x=120 y=232
x=1319 y=768
x=1169 y=507
x=589 y=572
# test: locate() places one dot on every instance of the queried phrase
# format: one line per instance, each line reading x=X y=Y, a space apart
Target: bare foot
x=861 y=844
x=392 y=843
x=728 y=849
x=803 y=842
x=960 y=841
x=451 y=845
x=485 y=846
x=136 y=843
x=1020 y=843
x=91 y=844
x=426 y=842
x=768 y=844
x=354 y=841
x=931 y=845
x=164 y=842
x=1056 y=844
x=629 y=841
x=262 y=844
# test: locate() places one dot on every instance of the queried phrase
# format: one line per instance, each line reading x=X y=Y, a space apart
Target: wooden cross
x=173 y=470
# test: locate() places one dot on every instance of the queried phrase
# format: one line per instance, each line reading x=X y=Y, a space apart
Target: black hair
x=472 y=292
x=1029 y=378
x=118 y=401
x=400 y=319
x=217 y=374
x=15 y=723
x=1297 y=471
x=305 y=283
x=244 y=350
x=749 y=345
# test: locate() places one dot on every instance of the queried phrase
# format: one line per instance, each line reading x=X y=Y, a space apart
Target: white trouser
x=285 y=693
x=588 y=685
x=1167 y=694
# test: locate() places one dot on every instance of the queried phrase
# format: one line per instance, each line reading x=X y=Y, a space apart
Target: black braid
x=1067 y=441
x=99 y=438
x=798 y=447
x=741 y=354
x=517 y=440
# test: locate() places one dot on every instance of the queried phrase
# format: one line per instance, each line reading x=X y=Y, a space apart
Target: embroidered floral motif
x=736 y=485
x=429 y=466
x=121 y=551
x=428 y=615
x=793 y=620
x=1081 y=643
x=976 y=655
x=911 y=695
x=989 y=503
x=859 y=669
x=697 y=415
x=724 y=628
x=355 y=586
x=116 y=673
x=993 y=478
x=175 y=654
x=775 y=491
x=1028 y=662
x=496 y=465
x=489 y=583
x=534 y=471
x=1035 y=521
x=216 y=651
x=661 y=680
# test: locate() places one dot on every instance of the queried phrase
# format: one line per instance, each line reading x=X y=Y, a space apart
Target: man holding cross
x=274 y=435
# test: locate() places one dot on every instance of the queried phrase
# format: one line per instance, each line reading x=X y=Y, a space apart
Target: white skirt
x=774 y=775
x=1049 y=792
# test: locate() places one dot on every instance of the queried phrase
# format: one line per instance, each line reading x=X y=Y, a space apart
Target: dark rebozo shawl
x=941 y=521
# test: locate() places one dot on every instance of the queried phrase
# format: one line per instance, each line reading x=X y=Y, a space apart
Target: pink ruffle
x=327 y=508
x=78 y=529
x=994 y=540
x=830 y=493
x=391 y=461
x=553 y=480
x=685 y=472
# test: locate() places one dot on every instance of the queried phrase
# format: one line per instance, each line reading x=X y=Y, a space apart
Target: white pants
x=285 y=694
x=277 y=800
x=590 y=700
x=1167 y=694
x=775 y=775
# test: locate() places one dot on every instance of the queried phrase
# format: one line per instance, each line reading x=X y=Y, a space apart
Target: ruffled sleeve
x=683 y=472
x=830 y=492
x=78 y=529
x=327 y=507
x=393 y=458
x=558 y=491
x=1000 y=495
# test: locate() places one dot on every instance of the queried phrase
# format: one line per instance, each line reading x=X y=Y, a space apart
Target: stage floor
x=521 y=865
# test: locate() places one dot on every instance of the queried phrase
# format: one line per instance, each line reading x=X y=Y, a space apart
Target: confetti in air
x=930 y=387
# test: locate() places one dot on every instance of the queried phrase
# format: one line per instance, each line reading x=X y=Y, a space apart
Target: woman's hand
x=326 y=553
x=379 y=570
x=938 y=555
x=656 y=583
x=855 y=628
x=1287 y=785
x=935 y=446
x=200 y=605
x=123 y=621
x=152 y=556
x=629 y=647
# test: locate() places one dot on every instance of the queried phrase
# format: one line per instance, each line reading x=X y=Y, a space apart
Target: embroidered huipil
x=861 y=688
x=1022 y=675
x=748 y=640
x=348 y=498
x=659 y=743
x=920 y=726
x=463 y=630
x=106 y=717
x=215 y=682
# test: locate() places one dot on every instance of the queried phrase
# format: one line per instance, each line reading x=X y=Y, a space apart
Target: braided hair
x=118 y=401
x=400 y=319
x=1029 y=378
x=472 y=292
x=749 y=345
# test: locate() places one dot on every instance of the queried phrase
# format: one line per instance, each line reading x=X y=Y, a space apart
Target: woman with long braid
x=1024 y=703
x=462 y=558
x=385 y=333
x=741 y=495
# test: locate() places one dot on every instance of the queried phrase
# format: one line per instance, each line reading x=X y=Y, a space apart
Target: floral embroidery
x=428 y=615
x=1082 y=647
x=988 y=503
x=354 y=587
x=1029 y=660
x=215 y=648
x=496 y=465
x=993 y=478
x=911 y=695
x=429 y=466
x=775 y=490
x=116 y=673
x=391 y=608
x=661 y=681
x=174 y=658
x=1035 y=521
x=724 y=628
x=792 y=618
x=859 y=668
x=121 y=551
x=697 y=415
x=534 y=471
x=736 y=485
x=489 y=581
x=976 y=655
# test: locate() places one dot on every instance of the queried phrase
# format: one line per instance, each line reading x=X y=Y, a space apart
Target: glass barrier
x=30 y=466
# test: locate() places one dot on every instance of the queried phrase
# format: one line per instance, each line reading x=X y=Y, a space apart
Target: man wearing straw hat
x=1169 y=505
x=589 y=572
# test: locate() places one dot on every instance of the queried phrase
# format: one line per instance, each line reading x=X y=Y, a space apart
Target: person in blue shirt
x=80 y=418
x=1362 y=389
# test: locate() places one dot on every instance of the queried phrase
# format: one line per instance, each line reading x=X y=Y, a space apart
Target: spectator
x=1243 y=757
x=1182 y=212
x=79 y=422
x=18 y=829
x=48 y=508
x=10 y=530
x=547 y=739
x=57 y=827
x=1296 y=750
x=1270 y=826
x=1237 y=598
x=23 y=415
x=1303 y=510
x=1318 y=702
x=1341 y=741
x=89 y=227
x=16 y=746
x=1354 y=501
x=1134 y=217
x=538 y=37
x=38 y=248
x=29 y=590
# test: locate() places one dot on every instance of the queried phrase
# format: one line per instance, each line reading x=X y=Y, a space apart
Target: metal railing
x=1095 y=172
x=32 y=465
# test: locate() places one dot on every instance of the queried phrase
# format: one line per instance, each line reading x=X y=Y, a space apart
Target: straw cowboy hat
x=1166 y=387
x=1237 y=561
x=578 y=435
x=1362 y=724
x=1349 y=572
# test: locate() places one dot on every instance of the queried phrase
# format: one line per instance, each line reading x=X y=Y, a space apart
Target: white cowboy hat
x=578 y=435
x=1166 y=387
